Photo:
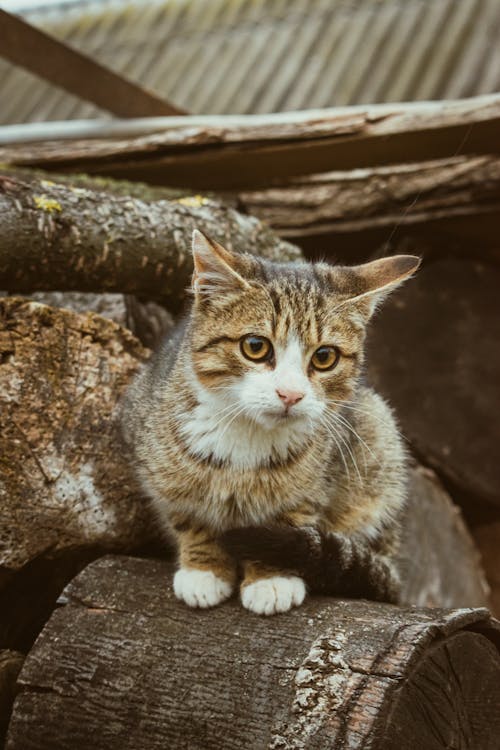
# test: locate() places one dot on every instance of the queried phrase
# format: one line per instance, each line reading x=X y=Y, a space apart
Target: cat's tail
x=329 y=563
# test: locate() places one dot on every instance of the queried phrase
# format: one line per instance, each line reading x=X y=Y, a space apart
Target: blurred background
x=257 y=56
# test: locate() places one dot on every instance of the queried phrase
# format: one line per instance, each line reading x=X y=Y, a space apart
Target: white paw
x=270 y=595
x=200 y=588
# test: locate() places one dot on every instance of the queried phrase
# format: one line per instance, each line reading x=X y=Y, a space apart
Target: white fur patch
x=271 y=595
x=246 y=423
x=200 y=588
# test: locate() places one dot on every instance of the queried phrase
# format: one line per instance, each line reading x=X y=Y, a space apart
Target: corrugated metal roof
x=242 y=56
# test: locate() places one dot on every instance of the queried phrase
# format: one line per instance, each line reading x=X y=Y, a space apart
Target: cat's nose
x=289 y=398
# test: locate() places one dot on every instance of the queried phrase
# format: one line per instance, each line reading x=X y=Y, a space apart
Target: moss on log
x=58 y=237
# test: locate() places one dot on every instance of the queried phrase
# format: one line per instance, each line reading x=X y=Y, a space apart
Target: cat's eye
x=256 y=348
x=325 y=358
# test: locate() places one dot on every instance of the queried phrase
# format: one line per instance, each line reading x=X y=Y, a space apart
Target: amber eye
x=256 y=348
x=325 y=358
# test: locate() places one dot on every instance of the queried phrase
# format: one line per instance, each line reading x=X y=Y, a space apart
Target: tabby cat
x=263 y=451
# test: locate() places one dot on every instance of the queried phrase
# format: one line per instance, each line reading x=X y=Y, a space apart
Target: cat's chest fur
x=230 y=477
x=225 y=437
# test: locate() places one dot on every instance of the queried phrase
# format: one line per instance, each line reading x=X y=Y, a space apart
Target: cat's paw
x=200 y=588
x=267 y=596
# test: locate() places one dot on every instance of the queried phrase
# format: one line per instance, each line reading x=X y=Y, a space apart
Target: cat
x=262 y=450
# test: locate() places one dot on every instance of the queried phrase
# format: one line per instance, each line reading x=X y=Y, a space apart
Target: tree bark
x=65 y=483
x=81 y=239
x=123 y=664
x=220 y=154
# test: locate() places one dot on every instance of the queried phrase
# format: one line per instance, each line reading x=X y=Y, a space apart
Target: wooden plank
x=221 y=153
x=457 y=198
x=41 y=54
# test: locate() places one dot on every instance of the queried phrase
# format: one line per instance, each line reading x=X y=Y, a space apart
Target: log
x=123 y=664
x=486 y=535
x=233 y=153
x=10 y=666
x=433 y=352
x=147 y=320
x=88 y=240
x=65 y=483
x=439 y=563
x=445 y=205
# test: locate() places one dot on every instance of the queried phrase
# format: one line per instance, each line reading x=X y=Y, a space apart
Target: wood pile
x=121 y=663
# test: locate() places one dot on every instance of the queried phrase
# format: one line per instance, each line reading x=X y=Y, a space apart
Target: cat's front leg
x=268 y=591
x=207 y=573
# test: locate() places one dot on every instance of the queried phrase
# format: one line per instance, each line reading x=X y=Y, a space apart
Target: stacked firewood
x=120 y=663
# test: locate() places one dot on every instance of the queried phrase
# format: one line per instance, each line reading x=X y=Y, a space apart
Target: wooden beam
x=266 y=150
x=41 y=54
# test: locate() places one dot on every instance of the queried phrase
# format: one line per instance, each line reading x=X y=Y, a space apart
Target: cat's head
x=283 y=342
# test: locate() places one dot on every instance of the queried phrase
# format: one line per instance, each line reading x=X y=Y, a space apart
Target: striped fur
x=217 y=449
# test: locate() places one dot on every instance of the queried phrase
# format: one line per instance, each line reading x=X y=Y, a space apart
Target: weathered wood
x=123 y=664
x=486 y=535
x=447 y=204
x=64 y=484
x=10 y=666
x=255 y=150
x=53 y=236
x=147 y=320
x=41 y=54
x=439 y=562
x=433 y=352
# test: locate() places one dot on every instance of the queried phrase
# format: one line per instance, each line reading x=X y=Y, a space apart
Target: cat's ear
x=214 y=267
x=373 y=281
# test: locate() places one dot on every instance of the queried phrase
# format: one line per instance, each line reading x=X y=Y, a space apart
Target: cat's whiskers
x=239 y=411
x=223 y=415
x=334 y=424
x=349 y=426
x=334 y=434
x=366 y=413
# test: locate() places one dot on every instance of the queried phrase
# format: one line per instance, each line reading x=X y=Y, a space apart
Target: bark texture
x=433 y=352
x=64 y=483
x=79 y=239
x=124 y=665
x=220 y=154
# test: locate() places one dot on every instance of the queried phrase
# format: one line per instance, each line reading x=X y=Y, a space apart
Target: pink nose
x=289 y=398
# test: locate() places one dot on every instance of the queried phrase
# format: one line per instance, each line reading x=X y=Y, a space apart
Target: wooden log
x=10 y=666
x=123 y=663
x=233 y=153
x=448 y=205
x=64 y=483
x=433 y=352
x=56 y=237
x=486 y=535
x=439 y=563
